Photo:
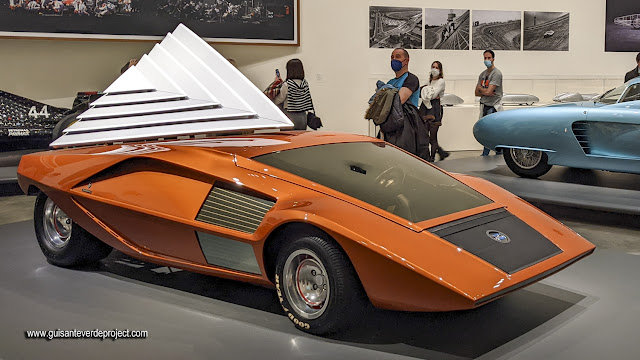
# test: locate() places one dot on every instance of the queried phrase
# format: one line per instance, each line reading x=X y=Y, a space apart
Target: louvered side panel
x=228 y=253
x=233 y=210
x=581 y=132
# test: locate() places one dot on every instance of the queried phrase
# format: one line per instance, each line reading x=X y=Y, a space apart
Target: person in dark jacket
x=635 y=72
x=408 y=131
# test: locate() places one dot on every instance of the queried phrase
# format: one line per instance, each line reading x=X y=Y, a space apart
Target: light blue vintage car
x=602 y=134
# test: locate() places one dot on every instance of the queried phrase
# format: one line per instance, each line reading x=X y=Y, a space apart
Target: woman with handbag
x=295 y=95
x=431 y=109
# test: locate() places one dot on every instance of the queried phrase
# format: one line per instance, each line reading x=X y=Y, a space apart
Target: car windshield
x=380 y=175
x=632 y=94
x=612 y=96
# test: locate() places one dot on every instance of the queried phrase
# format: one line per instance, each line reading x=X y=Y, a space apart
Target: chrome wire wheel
x=526 y=159
x=56 y=224
x=306 y=283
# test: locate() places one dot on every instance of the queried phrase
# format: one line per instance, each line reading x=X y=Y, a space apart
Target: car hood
x=584 y=104
x=594 y=104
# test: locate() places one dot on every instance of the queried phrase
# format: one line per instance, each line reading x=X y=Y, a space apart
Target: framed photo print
x=273 y=22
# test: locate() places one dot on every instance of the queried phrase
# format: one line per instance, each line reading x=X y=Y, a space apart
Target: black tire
x=526 y=163
x=64 y=123
x=343 y=299
x=63 y=242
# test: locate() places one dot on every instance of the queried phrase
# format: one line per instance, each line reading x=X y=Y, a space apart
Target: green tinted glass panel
x=380 y=175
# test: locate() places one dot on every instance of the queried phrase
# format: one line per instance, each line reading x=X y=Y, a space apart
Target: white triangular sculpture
x=182 y=87
x=134 y=81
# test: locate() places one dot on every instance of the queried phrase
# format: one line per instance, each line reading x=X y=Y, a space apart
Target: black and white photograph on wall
x=622 y=28
x=546 y=31
x=497 y=30
x=446 y=29
x=243 y=21
x=392 y=27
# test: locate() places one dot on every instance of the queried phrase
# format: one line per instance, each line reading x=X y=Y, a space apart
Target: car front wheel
x=317 y=286
x=63 y=242
x=527 y=163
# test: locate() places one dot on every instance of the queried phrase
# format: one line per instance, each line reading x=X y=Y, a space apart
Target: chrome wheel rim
x=57 y=225
x=306 y=283
x=526 y=159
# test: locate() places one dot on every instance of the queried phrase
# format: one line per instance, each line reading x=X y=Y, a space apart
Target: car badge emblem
x=498 y=236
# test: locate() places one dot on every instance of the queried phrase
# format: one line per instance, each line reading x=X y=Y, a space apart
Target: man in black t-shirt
x=408 y=85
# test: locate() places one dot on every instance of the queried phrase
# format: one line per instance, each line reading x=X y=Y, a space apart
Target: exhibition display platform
x=587 y=311
x=8 y=175
x=579 y=188
x=9 y=161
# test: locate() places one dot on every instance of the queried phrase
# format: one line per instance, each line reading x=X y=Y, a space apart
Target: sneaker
x=444 y=154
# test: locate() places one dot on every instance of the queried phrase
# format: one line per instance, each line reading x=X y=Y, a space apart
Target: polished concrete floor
x=587 y=311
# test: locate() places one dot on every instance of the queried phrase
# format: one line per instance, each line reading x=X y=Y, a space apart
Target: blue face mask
x=487 y=63
x=396 y=65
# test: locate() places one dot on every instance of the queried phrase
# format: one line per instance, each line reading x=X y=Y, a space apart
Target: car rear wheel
x=64 y=123
x=63 y=242
x=527 y=163
x=317 y=286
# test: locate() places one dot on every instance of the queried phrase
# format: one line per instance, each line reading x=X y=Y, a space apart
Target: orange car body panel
x=142 y=199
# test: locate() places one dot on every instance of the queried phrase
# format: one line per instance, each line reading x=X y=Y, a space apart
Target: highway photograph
x=497 y=30
x=393 y=27
x=446 y=29
x=546 y=31
x=622 y=29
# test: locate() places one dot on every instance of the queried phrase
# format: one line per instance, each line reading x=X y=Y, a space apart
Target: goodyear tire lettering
x=278 y=291
x=290 y=315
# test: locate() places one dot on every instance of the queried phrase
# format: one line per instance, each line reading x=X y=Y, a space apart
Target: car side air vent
x=581 y=132
x=233 y=210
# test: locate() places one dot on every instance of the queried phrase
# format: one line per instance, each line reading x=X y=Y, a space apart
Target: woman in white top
x=431 y=110
x=295 y=95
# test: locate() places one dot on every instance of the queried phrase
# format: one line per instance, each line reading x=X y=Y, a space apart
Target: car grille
x=581 y=132
x=233 y=210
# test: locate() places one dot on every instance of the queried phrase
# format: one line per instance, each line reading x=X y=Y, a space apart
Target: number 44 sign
x=33 y=112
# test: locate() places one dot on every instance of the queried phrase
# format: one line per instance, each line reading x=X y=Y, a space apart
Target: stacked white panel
x=182 y=87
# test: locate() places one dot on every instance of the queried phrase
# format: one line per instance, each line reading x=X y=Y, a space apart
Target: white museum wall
x=340 y=67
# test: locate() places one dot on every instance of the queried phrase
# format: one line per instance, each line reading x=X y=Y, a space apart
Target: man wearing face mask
x=406 y=82
x=400 y=123
x=489 y=88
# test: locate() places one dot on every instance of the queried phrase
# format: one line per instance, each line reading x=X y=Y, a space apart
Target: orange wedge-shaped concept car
x=329 y=220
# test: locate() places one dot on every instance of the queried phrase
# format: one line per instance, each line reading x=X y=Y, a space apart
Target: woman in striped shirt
x=295 y=95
